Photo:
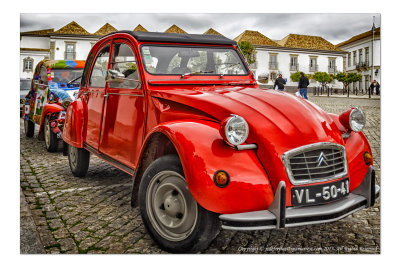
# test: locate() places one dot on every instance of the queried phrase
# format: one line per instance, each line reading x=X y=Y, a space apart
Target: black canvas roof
x=179 y=38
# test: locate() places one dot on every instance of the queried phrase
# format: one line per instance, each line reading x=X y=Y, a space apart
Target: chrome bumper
x=280 y=216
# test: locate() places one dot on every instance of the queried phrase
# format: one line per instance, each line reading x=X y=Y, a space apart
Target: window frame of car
x=128 y=43
x=99 y=50
x=242 y=60
x=86 y=70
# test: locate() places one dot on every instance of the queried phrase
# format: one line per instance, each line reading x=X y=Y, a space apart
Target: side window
x=86 y=70
x=43 y=75
x=99 y=70
x=124 y=61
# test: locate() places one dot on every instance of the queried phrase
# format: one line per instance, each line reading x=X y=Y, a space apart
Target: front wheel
x=29 y=127
x=78 y=160
x=170 y=214
x=50 y=138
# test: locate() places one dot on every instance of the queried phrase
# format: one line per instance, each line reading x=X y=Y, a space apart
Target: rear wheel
x=29 y=127
x=50 y=137
x=170 y=213
x=78 y=160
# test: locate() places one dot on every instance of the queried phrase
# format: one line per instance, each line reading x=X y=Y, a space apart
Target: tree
x=347 y=79
x=323 y=78
x=248 y=51
x=295 y=76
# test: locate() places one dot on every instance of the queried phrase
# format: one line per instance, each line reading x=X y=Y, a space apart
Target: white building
x=71 y=42
x=363 y=50
x=304 y=53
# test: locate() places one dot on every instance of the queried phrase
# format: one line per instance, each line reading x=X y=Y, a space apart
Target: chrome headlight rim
x=353 y=113
x=229 y=121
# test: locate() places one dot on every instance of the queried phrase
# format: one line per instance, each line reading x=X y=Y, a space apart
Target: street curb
x=30 y=242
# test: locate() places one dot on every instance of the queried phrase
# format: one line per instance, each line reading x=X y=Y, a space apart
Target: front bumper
x=280 y=216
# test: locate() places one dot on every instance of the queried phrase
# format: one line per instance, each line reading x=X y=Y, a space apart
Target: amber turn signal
x=367 y=158
x=221 y=178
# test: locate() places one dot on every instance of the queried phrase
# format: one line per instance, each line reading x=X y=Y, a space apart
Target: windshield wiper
x=71 y=81
x=195 y=72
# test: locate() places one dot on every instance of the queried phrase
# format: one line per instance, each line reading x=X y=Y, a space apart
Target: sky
x=334 y=27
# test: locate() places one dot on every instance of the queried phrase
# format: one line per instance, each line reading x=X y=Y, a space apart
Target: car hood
x=278 y=121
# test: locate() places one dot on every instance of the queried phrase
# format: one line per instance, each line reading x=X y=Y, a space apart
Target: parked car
x=52 y=90
x=24 y=86
x=207 y=147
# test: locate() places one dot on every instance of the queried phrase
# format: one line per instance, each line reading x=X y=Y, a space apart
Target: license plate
x=321 y=193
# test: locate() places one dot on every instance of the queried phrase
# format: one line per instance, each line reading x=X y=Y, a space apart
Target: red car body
x=131 y=127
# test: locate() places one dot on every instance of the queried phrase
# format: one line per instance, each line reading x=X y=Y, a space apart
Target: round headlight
x=235 y=130
x=357 y=120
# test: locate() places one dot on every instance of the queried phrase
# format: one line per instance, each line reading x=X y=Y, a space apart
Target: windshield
x=25 y=84
x=65 y=75
x=178 y=60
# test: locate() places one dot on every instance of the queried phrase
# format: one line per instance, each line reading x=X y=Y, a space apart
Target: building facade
x=303 y=53
x=363 y=57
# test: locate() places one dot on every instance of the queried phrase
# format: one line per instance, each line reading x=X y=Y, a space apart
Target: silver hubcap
x=171 y=208
x=47 y=133
x=73 y=156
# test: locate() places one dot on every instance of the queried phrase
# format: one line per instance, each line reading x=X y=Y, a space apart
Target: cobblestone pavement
x=93 y=214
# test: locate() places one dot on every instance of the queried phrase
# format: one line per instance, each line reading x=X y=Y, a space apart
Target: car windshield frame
x=240 y=57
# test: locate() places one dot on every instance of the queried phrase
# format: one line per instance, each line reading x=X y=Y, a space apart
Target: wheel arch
x=157 y=144
x=202 y=152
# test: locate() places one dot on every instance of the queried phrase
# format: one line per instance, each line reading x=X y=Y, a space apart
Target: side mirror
x=114 y=76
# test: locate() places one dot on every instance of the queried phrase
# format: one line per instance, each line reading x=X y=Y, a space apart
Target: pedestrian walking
x=378 y=88
x=303 y=83
x=280 y=83
x=371 y=87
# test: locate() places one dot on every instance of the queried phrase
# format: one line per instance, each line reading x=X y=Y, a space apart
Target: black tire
x=50 y=138
x=29 y=127
x=78 y=160
x=188 y=232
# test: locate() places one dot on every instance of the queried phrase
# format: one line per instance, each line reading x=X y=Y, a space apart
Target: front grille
x=315 y=163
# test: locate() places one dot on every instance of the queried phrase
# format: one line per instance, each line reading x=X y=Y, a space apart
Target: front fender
x=356 y=145
x=202 y=152
x=47 y=109
x=74 y=124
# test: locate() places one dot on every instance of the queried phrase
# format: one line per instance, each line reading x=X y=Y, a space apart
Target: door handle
x=106 y=96
x=85 y=93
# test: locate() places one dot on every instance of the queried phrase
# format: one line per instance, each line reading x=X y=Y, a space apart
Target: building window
x=367 y=56
x=354 y=58
x=360 y=54
x=294 y=66
x=313 y=64
x=332 y=65
x=69 y=53
x=28 y=64
x=273 y=62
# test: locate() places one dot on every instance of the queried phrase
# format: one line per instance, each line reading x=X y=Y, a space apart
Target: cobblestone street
x=93 y=214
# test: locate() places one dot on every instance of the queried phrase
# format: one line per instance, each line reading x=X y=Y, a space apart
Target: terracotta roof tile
x=39 y=32
x=255 y=38
x=175 y=29
x=34 y=49
x=140 y=28
x=72 y=28
x=212 y=31
x=360 y=36
x=307 y=42
x=106 y=29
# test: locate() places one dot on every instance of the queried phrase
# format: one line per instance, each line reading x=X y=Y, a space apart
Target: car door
x=41 y=96
x=95 y=95
x=124 y=109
